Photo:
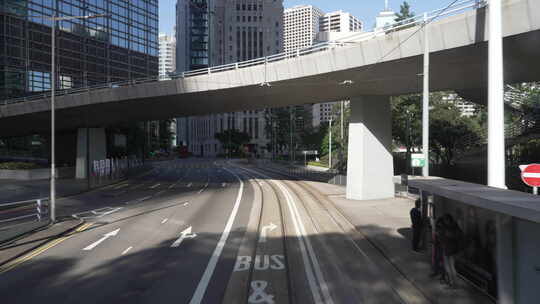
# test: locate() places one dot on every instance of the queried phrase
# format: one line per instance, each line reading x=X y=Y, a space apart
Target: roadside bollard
x=39 y=210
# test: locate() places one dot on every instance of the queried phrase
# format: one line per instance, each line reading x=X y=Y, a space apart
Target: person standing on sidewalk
x=437 y=253
x=452 y=238
x=417 y=225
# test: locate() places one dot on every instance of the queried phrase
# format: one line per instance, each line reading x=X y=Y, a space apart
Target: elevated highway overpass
x=382 y=63
x=366 y=68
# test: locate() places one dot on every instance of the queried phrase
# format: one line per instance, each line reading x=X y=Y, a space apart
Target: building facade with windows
x=302 y=24
x=167 y=54
x=121 y=46
x=306 y=25
x=232 y=31
x=340 y=21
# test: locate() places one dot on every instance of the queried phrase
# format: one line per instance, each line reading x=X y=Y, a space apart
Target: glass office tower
x=121 y=46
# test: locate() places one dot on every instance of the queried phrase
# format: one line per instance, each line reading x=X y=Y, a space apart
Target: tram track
x=332 y=227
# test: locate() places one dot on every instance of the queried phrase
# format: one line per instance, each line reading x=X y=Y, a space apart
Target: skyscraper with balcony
x=121 y=46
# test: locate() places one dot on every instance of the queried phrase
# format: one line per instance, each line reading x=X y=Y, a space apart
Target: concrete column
x=98 y=149
x=505 y=259
x=496 y=147
x=370 y=164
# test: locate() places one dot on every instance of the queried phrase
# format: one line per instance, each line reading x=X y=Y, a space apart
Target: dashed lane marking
x=164 y=221
x=127 y=250
x=155 y=186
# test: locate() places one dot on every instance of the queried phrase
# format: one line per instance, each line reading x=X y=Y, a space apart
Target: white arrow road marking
x=265 y=230
x=155 y=186
x=164 y=221
x=105 y=236
x=185 y=204
x=223 y=185
x=126 y=251
x=531 y=175
x=189 y=185
x=186 y=234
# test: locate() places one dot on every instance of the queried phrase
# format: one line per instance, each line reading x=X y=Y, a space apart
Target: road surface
x=202 y=231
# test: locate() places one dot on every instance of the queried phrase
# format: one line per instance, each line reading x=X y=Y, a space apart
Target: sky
x=365 y=10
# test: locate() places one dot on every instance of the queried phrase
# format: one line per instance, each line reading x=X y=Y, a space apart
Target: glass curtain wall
x=121 y=46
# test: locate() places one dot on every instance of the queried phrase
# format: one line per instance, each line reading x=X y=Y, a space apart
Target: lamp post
x=54 y=19
x=330 y=145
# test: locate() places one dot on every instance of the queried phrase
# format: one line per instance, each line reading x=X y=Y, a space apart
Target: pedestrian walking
x=452 y=238
x=417 y=225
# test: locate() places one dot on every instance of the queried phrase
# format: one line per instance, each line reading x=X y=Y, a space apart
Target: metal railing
x=458 y=7
x=15 y=214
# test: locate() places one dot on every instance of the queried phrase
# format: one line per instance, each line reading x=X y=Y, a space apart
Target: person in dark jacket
x=417 y=225
x=437 y=258
x=452 y=238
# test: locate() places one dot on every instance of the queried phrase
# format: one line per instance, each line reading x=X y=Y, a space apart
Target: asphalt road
x=199 y=231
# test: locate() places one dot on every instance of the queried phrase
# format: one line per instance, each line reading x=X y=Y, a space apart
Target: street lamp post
x=54 y=19
x=330 y=145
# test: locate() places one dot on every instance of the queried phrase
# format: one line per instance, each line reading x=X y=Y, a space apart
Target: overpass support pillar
x=370 y=164
x=92 y=145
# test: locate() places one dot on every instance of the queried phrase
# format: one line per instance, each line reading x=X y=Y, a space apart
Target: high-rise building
x=337 y=25
x=167 y=54
x=301 y=25
x=340 y=21
x=215 y=32
x=121 y=46
x=167 y=65
x=305 y=25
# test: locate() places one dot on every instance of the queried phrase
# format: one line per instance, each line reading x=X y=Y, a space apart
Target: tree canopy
x=232 y=140
x=404 y=12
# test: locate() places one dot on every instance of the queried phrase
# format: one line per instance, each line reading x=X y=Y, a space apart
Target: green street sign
x=418 y=160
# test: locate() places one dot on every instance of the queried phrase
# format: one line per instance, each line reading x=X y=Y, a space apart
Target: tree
x=281 y=123
x=407 y=124
x=404 y=12
x=339 y=142
x=450 y=132
x=165 y=134
x=233 y=140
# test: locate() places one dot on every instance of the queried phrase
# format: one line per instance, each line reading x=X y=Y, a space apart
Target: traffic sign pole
x=535 y=190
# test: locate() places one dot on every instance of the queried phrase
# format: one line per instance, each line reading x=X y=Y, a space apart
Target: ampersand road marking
x=259 y=295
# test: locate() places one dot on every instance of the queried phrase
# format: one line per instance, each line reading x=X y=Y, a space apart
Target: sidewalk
x=386 y=224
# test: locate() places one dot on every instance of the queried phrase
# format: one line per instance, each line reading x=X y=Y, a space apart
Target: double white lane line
x=207 y=276
x=314 y=274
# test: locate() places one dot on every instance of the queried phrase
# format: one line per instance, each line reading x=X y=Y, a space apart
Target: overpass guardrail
x=456 y=8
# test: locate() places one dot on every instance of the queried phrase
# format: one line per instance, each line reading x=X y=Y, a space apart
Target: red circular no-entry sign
x=530 y=174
